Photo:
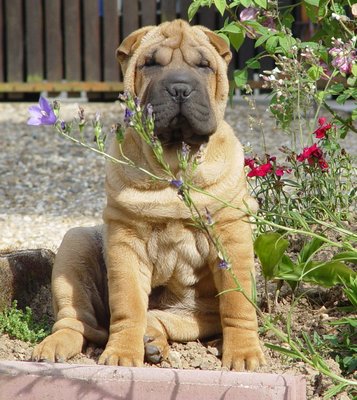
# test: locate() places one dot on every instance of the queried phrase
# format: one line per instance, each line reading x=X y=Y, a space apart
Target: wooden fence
x=69 y=45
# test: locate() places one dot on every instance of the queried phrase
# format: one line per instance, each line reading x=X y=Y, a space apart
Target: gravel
x=49 y=184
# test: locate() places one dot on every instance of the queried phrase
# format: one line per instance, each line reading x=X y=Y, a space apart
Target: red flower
x=313 y=154
x=280 y=171
x=310 y=152
x=320 y=132
x=261 y=170
x=323 y=164
x=250 y=162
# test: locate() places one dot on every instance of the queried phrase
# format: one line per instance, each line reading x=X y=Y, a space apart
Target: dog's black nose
x=180 y=91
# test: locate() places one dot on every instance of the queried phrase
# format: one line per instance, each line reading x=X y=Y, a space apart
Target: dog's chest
x=177 y=252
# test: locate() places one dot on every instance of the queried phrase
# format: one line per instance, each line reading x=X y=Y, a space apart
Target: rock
x=175 y=359
x=22 y=275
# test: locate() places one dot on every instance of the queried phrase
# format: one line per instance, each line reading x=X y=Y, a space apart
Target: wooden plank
x=148 y=12
x=74 y=86
x=72 y=39
x=2 y=72
x=168 y=10
x=14 y=40
x=111 y=39
x=130 y=16
x=53 y=40
x=91 y=40
x=34 y=42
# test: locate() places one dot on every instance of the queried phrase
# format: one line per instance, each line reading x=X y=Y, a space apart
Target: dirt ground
x=310 y=315
x=48 y=185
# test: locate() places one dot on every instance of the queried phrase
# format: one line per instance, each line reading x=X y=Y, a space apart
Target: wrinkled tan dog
x=147 y=275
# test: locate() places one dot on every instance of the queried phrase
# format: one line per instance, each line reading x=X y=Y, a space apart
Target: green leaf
x=286 y=267
x=246 y=3
x=261 y=3
x=240 y=77
x=286 y=43
x=271 y=44
x=192 y=9
x=283 y=350
x=252 y=63
x=328 y=273
x=220 y=5
x=315 y=3
x=354 y=114
x=350 y=256
x=336 y=89
x=315 y=72
x=354 y=69
x=310 y=249
x=237 y=39
x=225 y=37
x=335 y=390
x=270 y=248
x=232 y=28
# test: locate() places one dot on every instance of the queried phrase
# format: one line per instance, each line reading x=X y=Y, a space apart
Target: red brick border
x=30 y=381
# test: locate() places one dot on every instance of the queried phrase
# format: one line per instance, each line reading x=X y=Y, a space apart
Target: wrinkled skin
x=147 y=276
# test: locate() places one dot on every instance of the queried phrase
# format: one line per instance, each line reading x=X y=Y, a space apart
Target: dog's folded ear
x=130 y=44
x=219 y=44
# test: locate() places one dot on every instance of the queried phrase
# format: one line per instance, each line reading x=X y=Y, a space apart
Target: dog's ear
x=219 y=44
x=130 y=44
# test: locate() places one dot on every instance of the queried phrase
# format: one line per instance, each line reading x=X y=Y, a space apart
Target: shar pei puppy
x=147 y=276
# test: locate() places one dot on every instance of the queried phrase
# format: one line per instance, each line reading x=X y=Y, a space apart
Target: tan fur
x=149 y=244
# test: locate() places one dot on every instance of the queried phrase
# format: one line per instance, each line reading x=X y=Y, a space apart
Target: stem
x=262 y=220
x=339 y=118
x=109 y=157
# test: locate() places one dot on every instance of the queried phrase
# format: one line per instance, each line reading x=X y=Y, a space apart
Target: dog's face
x=181 y=71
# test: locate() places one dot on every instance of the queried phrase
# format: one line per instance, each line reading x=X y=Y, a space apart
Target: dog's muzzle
x=182 y=108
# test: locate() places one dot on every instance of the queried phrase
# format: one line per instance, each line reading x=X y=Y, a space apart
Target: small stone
x=175 y=359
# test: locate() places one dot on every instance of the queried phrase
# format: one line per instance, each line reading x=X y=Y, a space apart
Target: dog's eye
x=203 y=64
x=150 y=62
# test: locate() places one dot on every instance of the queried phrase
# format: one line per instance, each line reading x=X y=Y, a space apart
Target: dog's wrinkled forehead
x=176 y=43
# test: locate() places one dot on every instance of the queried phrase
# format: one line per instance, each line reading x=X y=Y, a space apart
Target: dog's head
x=182 y=72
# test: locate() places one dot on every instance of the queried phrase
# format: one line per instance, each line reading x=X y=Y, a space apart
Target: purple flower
x=177 y=183
x=249 y=14
x=223 y=264
x=42 y=114
x=128 y=116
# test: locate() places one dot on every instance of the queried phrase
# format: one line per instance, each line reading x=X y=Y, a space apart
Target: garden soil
x=49 y=185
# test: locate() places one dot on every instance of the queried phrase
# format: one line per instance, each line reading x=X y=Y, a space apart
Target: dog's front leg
x=128 y=287
x=241 y=347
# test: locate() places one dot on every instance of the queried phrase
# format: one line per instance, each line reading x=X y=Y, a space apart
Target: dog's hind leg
x=176 y=326
x=80 y=298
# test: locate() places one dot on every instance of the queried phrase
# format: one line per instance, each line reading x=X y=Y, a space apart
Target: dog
x=147 y=276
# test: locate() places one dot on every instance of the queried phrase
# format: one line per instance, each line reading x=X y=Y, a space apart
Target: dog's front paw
x=59 y=346
x=124 y=351
x=241 y=350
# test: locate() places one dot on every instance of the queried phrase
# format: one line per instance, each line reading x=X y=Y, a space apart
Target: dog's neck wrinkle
x=134 y=193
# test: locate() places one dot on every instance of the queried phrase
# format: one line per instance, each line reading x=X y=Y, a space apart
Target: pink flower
x=248 y=14
x=261 y=170
x=343 y=56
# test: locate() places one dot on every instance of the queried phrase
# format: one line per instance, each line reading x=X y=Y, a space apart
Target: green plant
x=296 y=348
x=20 y=324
